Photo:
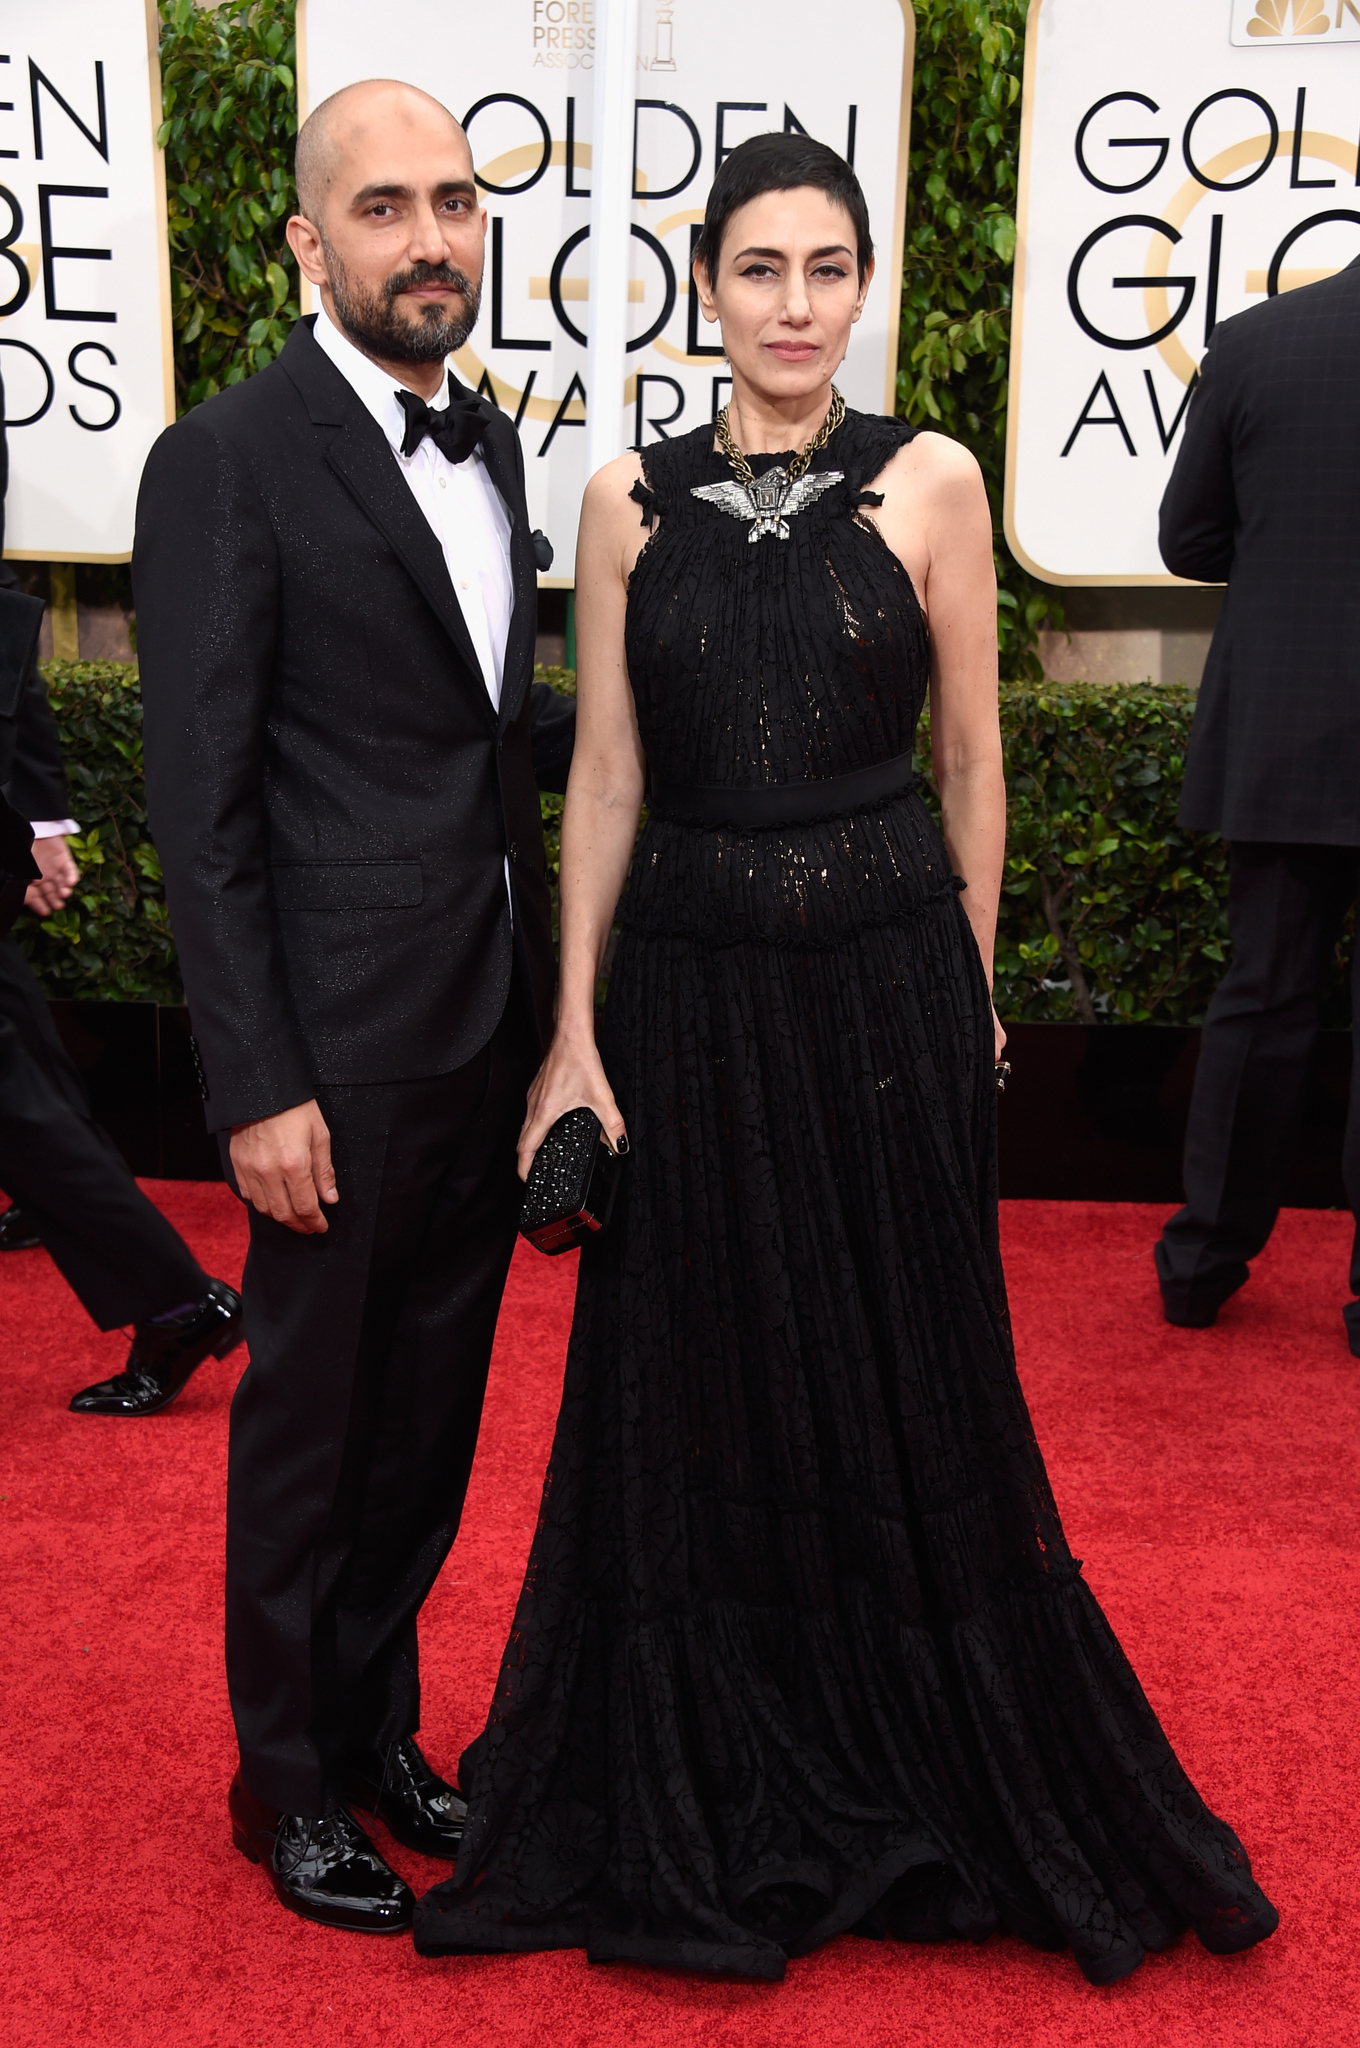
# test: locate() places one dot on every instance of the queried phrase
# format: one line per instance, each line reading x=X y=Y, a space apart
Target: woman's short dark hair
x=779 y=163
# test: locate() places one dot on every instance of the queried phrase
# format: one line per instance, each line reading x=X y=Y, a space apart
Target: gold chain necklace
x=742 y=467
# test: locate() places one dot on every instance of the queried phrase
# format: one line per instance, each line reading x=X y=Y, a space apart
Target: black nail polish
x=621 y=1146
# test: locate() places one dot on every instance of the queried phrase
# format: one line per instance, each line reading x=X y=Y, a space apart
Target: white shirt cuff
x=53 y=828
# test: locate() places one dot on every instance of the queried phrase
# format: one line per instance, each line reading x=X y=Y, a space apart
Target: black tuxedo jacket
x=331 y=791
x=1265 y=495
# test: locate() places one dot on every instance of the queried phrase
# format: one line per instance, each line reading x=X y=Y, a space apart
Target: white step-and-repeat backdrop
x=85 y=355
x=710 y=73
x=84 y=292
x=1181 y=160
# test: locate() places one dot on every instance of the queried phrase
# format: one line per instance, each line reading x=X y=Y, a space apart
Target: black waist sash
x=782 y=803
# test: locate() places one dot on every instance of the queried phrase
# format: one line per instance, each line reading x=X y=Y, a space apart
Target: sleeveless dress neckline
x=801 y=1646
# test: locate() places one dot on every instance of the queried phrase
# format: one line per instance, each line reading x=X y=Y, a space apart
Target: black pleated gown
x=801 y=1647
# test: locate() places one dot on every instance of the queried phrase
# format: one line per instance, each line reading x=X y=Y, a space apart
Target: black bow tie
x=455 y=432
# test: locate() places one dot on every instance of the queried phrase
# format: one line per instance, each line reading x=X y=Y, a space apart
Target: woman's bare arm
x=936 y=518
x=600 y=814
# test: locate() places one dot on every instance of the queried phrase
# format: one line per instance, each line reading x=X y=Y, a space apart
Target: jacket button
x=514 y=853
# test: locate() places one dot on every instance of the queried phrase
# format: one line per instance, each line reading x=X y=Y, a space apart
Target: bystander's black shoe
x=1194 y=1304
x=164 y=1354
x=326 y=1870
x=1350 y=1315
x=16 y=1232
x=411 y=1800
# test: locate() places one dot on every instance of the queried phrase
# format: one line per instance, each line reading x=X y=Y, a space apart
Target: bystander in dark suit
x=71 y=1189
x=1265 y=496
x=336 y=605
x=20 y=624
x=20 y=618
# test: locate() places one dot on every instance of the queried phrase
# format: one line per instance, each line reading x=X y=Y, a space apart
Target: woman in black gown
x=801 y=1647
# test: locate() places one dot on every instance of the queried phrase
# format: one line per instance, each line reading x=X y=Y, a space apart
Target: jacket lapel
x=361 y=458
x=500 y=451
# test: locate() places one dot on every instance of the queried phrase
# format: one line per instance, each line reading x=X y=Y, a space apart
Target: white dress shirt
x=458 y=499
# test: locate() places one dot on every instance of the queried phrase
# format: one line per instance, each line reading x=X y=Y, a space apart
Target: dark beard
x=372 y=322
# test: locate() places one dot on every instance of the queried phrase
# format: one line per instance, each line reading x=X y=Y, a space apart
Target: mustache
x=429 y=273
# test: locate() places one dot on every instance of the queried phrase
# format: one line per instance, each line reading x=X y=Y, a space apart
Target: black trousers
x=113 y=1246
x=1286 y=906
x=354 y=1425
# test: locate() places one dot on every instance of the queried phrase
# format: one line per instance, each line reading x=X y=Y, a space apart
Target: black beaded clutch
x=570 y=1192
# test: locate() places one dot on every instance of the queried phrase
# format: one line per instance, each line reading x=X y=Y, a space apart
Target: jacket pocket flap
x=347 y=884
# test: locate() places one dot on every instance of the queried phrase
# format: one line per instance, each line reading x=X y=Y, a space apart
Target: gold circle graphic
x=1330 y=149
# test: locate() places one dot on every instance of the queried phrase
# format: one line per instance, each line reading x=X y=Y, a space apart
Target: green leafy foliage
x=958 y=259
x=111 y=941
x=228 y=77
x=1109 y=911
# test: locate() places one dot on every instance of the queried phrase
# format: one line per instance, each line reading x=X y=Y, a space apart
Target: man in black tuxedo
x=1265 y=495
x=72 y=1188
x=336 y=599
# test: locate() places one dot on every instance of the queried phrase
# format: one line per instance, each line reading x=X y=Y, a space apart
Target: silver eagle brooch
x=768 y=502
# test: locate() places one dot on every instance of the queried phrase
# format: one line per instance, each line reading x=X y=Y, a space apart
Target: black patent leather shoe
x=165 y=1353
x=16 y=1232
x=412 y=1801
x=326 y=1870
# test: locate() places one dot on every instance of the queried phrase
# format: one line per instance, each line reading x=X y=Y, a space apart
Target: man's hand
x=59 y=876
x=283 y=1165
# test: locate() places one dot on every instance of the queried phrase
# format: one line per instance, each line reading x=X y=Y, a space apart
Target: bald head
x=354 y=123
x=391 y=229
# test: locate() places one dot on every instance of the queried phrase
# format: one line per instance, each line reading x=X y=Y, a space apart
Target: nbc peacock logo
x=1295 y=21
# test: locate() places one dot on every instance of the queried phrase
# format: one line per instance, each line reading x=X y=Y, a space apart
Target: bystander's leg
x=1351 y=1156
x=113 y=1247
x=74 y=1193
x=1285 y=906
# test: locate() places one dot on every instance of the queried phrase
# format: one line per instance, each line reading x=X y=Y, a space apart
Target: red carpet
x=1208 y=1479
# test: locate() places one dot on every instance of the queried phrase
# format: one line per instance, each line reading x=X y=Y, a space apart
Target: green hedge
x=112 y=940
x=1109 y=909
x=1109 y=912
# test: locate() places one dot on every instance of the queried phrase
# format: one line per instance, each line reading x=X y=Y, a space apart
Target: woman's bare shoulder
x=612 y=532
x=935 y=462
x=611 y=487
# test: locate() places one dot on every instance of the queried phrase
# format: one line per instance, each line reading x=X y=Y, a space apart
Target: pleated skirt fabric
x=801 y=1647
